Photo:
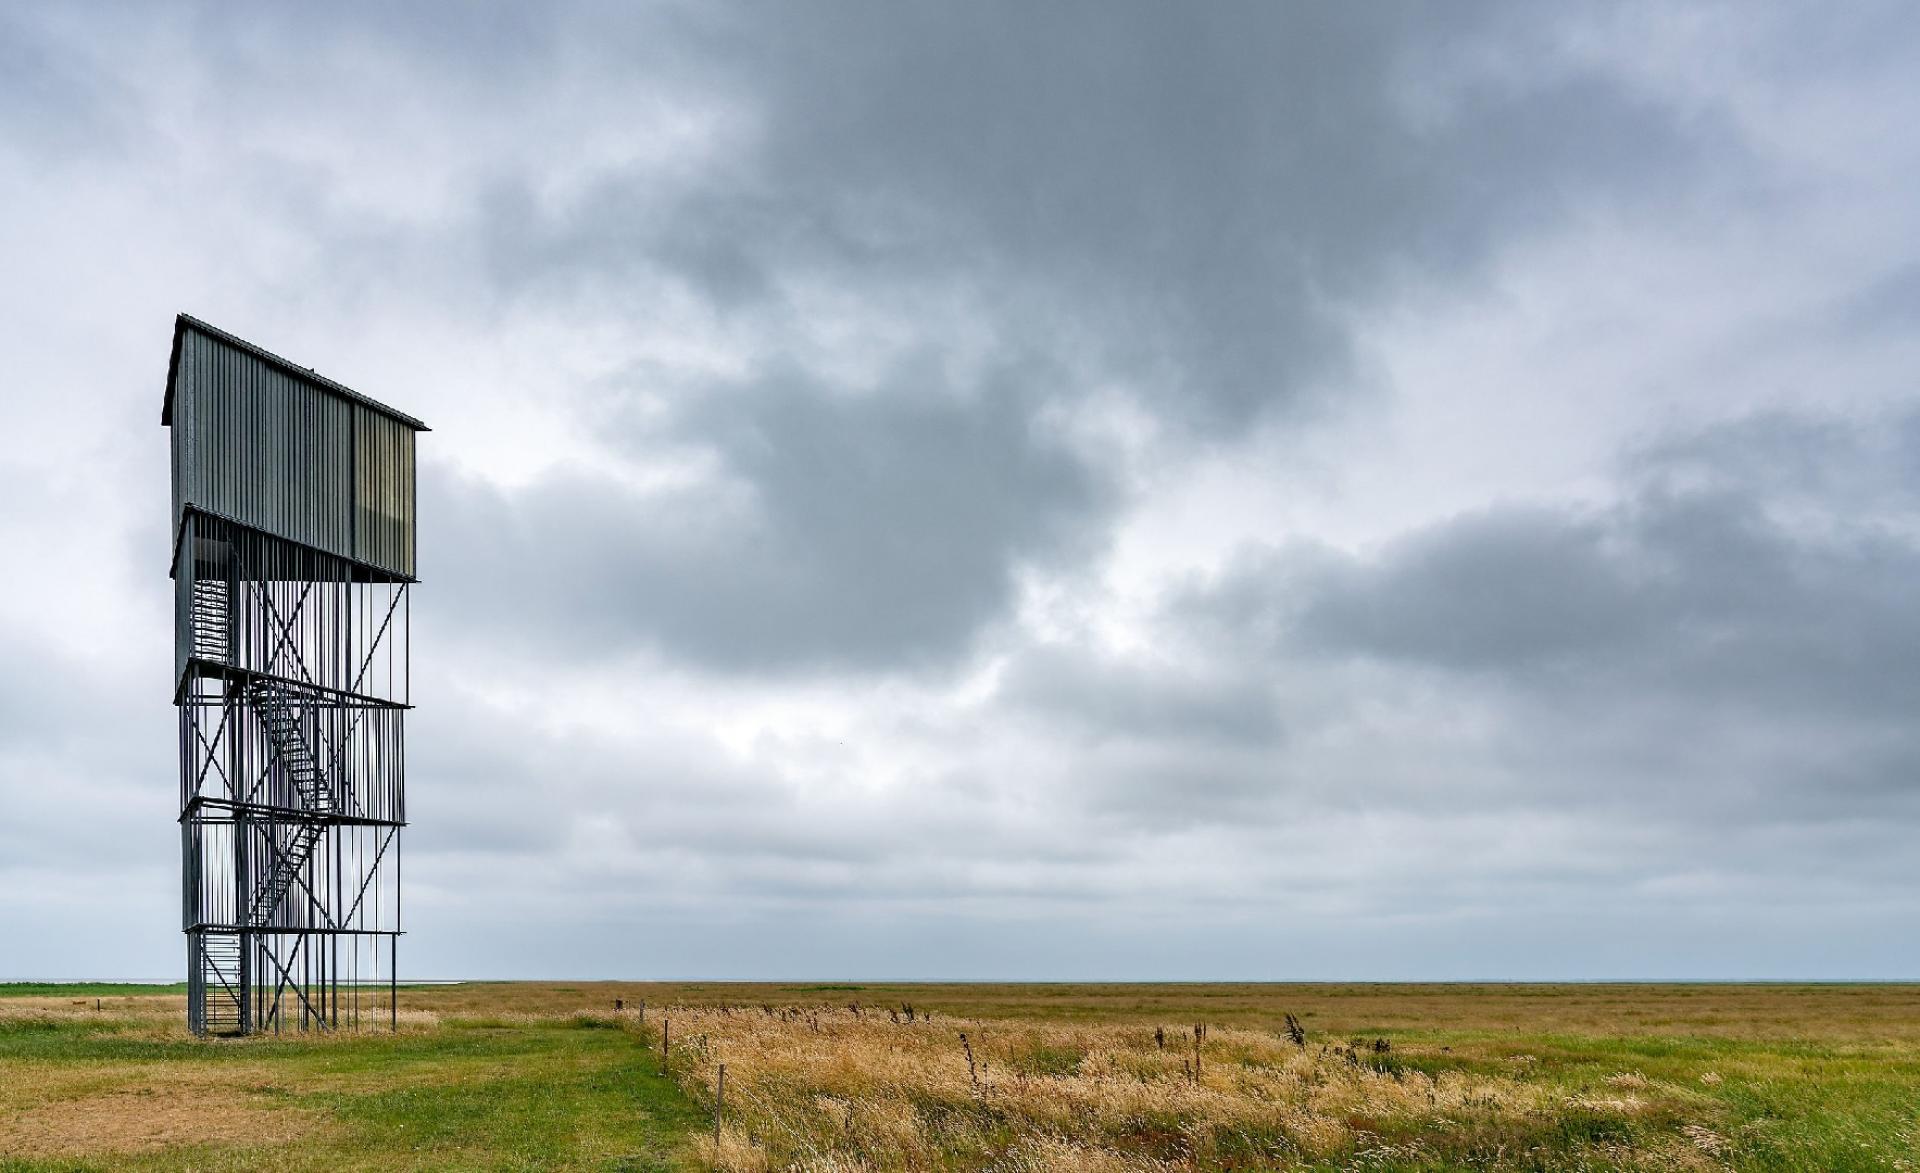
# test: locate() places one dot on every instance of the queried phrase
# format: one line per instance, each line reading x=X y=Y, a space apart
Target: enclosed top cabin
x=275 y=447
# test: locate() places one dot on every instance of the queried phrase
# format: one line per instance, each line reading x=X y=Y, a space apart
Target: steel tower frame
x=292 y=570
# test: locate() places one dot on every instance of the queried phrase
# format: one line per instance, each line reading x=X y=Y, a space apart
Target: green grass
x=78 y=990
x=571 y=1098
x=86 y=989
x=819 y=989
x=540 y=1096
x=1781 y=1105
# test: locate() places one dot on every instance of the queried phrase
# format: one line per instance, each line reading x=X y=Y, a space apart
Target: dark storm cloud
x=1199 y=190
x=850 y=531
x=1191 y=198
x=1183 y=202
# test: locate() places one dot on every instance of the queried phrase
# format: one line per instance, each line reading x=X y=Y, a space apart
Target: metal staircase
x=280 y=712
x=218 y=972
x=211 y=620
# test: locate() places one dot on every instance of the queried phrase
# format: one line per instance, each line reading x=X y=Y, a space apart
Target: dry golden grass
x=148 y=1110
x=1481 y=1075
x=1768 y=1013
x=839 y=1089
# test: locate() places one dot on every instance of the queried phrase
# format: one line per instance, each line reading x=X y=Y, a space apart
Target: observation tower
x=293 y=567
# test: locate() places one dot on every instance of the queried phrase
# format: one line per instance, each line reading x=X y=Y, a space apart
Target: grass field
x=842 y=1076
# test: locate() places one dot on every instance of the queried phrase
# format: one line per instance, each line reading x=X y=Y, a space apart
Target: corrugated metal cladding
x=382 y=490
x=256 y=442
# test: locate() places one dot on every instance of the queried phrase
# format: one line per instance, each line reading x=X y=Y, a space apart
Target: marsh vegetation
x=853 y=1076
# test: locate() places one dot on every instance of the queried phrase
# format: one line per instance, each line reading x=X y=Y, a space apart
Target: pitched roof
x=185 y=322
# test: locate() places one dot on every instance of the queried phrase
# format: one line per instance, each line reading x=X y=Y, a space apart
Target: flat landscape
x=918 y=1076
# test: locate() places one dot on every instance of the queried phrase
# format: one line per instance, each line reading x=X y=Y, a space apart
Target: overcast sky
x=1018 y=490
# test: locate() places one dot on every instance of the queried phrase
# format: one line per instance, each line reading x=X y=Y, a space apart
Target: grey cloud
x=1695 y=646
x=1709 y=564
x=1203 y=183
x=54 y=103
x=1889 y=305
x=82 y=763
x=1186 y=200
x=1861 y=471
x=1504 y=590
x=866 y=531
x=38 y=715
x=588 y=819
x=1187 y=197
x=1075 y=691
